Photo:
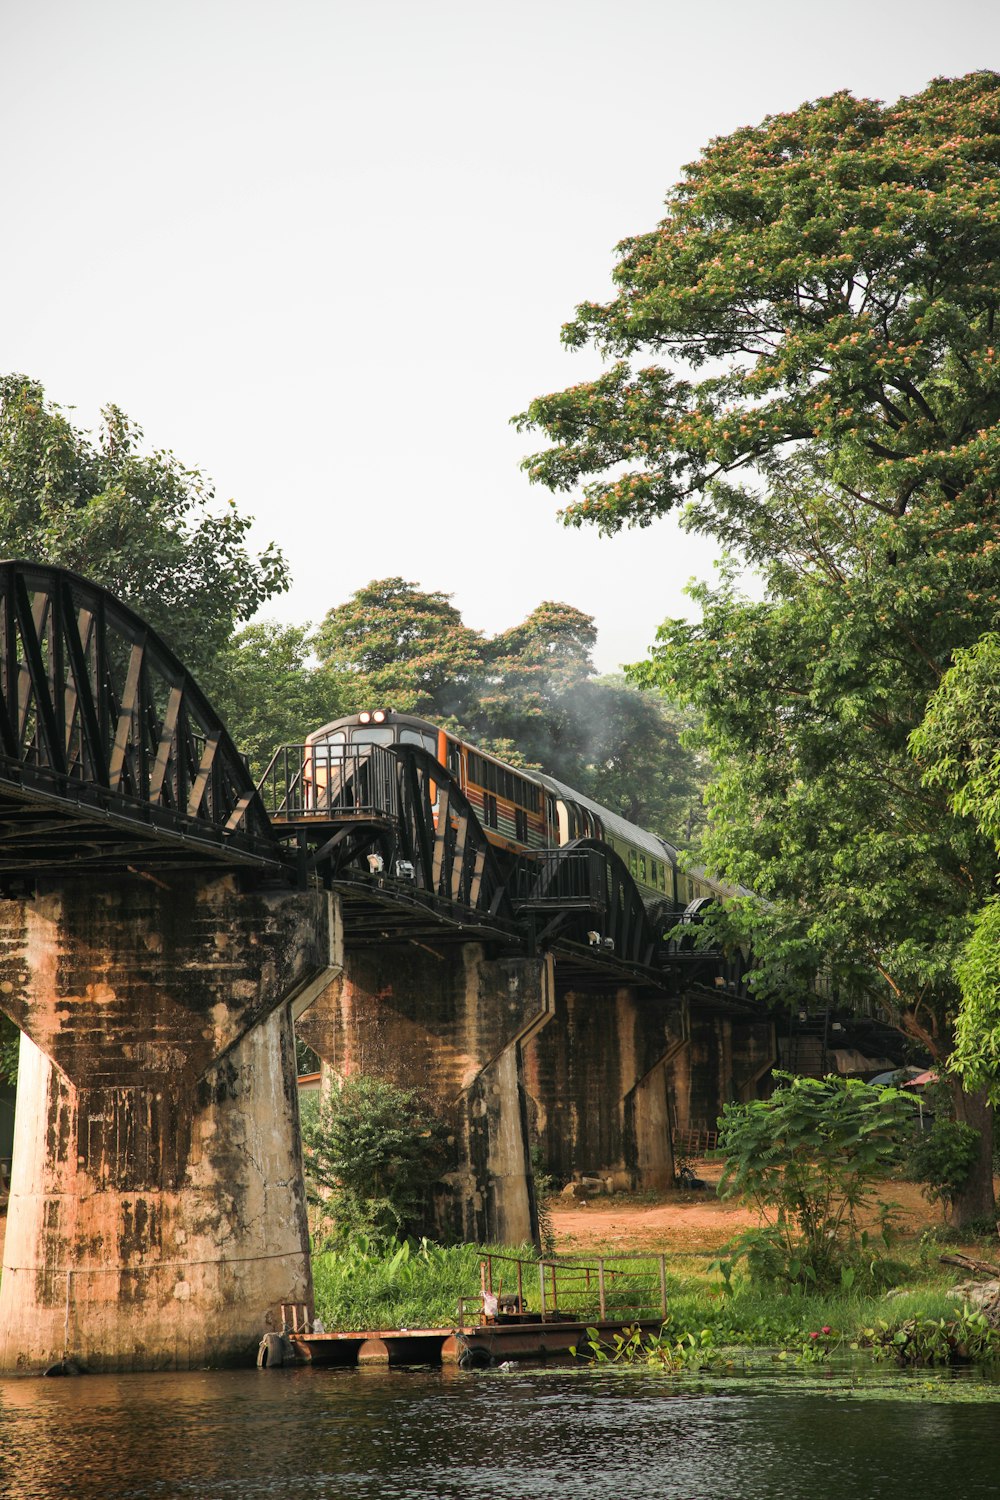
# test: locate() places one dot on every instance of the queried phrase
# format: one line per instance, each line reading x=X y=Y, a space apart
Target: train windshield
x=367 y=734
x=332 y=744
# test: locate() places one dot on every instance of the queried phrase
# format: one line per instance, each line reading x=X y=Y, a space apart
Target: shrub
x=372 y=1153
x=809 y=1158
x=943 y=1157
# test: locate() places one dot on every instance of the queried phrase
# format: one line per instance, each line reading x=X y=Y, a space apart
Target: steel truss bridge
x=113 y=760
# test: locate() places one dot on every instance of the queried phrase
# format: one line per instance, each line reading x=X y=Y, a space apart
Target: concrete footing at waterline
x=157 y=1213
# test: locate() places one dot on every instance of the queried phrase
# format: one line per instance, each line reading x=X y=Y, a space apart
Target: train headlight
x=379 y=716
x=364 y=718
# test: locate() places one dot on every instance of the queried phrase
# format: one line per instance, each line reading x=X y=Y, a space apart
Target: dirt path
x=689 y=1223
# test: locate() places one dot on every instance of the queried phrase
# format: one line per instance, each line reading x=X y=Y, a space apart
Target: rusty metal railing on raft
x=611 y=1288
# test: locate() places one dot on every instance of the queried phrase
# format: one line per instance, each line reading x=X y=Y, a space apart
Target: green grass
x=364 y=1285
x=752 y=1317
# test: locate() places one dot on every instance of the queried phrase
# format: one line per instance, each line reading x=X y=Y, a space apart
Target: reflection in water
x=432 y=1435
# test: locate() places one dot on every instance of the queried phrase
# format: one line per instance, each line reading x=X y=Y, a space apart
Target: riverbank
x=361 y=1286
x=699 y=1223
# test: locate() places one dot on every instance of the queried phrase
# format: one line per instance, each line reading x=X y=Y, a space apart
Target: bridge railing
x=623 y=1288
x=560 y=878
x=320 y=782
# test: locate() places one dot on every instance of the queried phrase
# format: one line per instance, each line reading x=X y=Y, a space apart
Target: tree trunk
x=976 y=1200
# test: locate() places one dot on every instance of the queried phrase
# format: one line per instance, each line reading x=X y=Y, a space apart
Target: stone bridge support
x=598 y=1079
x=157 y=1213
x=727 y=1056
x=451 y=1022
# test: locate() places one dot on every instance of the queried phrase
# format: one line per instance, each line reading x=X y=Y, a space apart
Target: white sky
x=323 y=249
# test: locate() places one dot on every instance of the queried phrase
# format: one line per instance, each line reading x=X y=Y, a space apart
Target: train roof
x=641 y=837
x=614 y=823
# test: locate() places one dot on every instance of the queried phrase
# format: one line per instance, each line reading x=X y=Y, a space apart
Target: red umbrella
x=928 y=1077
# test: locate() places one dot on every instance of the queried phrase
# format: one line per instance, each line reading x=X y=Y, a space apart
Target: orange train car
x=520 y=810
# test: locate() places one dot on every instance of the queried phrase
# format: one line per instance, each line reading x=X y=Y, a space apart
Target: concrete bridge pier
x=598 y=1079
x=157 y=1211
x=726 y=1055
x=451 y=1023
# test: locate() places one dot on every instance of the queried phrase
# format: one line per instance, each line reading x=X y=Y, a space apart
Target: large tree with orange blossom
x=823 y=283
x=805 y=358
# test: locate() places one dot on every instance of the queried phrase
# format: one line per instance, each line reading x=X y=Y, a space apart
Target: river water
x=523 y=1435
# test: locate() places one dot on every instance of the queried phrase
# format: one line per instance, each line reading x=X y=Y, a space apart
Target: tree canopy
x=830 y=280
x=528 y=693
x=142 y=524
x=959 y=744
x=403 y=648
x=271 y=692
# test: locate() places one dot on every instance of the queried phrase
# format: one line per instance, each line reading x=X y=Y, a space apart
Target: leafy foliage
x=977 y=1047
x=833 y=270
x=809 y=1158
x=361 y=1282
x=669 y=1350
x=958 y=744
x=529 y=694
x=10 y=1046
x=144 y=525
x=943 y=1158
x=374 y=1150
x=270 y=692
x=958 y=740
x=402 y=648
x=828 y=277
x=929 y=1341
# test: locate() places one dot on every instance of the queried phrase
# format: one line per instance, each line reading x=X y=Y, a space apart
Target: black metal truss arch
x=593 y=900
x=110 y=754
x=441 y=836
x=418 y=830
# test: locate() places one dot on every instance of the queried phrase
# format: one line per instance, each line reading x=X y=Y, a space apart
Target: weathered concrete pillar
x=450 y=1023
x=726 y=1057
x=157 y=1213
x=597 y=1080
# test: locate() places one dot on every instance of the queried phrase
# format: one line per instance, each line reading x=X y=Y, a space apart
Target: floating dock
x=611 y=1295
x=473 y=1346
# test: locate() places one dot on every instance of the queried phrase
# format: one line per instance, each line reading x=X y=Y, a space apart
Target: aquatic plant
x=928 y=1341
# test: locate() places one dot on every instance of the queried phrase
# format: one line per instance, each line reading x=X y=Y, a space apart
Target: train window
x=652 y=872
x=633 y=863
x=642 y=868
x=331 y=748
x=521 y=825
x=489 y=810
x=368 y=736
x=415 y=737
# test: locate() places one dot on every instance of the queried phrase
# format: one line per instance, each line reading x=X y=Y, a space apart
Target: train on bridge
x=520 y=809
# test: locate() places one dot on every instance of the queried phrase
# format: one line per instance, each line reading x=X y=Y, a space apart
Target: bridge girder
x=110 y=754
